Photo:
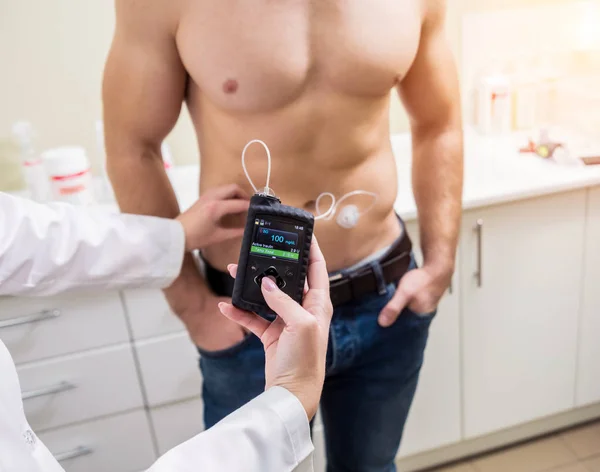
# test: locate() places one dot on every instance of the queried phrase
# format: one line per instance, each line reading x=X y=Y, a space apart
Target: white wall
x=52 y=54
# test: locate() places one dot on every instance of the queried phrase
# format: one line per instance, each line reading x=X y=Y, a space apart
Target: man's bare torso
x=311 y=79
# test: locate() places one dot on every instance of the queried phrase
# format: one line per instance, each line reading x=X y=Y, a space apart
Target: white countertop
x=495 y=172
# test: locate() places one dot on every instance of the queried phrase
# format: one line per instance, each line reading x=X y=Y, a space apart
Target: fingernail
x=222 y=306
x=268 y=284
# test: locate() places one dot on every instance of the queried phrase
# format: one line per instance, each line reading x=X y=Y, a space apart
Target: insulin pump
x=276 y=244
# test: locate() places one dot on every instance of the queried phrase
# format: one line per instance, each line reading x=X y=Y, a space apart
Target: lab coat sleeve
x=48 y=249
x=268 y=434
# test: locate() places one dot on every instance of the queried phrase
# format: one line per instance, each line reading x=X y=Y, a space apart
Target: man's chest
x=265 y=54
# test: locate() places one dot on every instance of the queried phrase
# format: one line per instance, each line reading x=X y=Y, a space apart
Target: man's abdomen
x=377 y=227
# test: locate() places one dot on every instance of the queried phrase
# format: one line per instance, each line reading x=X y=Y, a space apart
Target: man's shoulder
x=156 y=14
x=434 y=10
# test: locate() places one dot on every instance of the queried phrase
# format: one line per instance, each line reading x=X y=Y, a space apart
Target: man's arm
x=430 y=94
x=144 y=87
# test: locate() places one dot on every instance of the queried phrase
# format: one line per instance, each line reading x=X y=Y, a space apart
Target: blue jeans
x=372 y=374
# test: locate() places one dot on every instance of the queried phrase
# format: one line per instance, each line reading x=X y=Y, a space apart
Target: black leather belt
x=345 y=286
x=371 y=278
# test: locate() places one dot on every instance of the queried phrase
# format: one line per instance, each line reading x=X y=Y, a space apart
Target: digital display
x=273 y=238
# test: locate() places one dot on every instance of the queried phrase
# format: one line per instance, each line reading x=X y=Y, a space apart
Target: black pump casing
x=246 y=291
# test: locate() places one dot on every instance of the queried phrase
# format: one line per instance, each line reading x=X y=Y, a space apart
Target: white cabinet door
x=176 y=423
x=121 y=443
x=80 y=387
x=149 y=313
x=588 y=378
x=435 y=416
x=520 y=316
x=169 y=368
x=44 y=327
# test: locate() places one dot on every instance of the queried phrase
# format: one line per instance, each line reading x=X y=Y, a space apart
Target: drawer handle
x=35 y=318
x=51 y=390
x=479 y=273
x=75 y=453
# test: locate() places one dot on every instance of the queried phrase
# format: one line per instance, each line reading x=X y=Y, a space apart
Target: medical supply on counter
x=548 y=148
x=494 y=105
x=31 y=163
x=105 y=187
x=68 y=169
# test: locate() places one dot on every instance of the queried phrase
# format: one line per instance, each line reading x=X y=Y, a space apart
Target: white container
x=32 y=165
x=106 y=189
x=494 y=105
x=68 y=170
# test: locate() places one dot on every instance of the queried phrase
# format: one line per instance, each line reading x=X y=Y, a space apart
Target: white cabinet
x=39 y=328
x=149 y=313
x=435 y=415
x=588 y=374
x=520 y=316
x=169 y=368
x=80 y=387
x=121 y=443
x=176 y=423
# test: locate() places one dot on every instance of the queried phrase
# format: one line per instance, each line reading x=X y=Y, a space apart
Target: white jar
x=68 y=170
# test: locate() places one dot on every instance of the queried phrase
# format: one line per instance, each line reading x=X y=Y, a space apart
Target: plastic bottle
x=105 y=186
x=68 y=170
x=494 y=115
x=32 y=166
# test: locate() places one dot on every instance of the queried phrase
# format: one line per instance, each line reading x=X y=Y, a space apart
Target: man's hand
x=420 y=290
x=197 y=307
x=206 y=222
x=296 y=342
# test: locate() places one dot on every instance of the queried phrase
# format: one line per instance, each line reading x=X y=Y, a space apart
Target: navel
x=230 y=86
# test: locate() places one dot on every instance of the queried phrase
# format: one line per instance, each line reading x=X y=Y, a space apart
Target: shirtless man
x=313 y=80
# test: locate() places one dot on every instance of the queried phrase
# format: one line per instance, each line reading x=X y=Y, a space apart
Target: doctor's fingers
x=232 y=269
x=230 y=207
x=287 y=309
x=318 y=278
x=225 y=192
x=252 y=322
x=317 y=300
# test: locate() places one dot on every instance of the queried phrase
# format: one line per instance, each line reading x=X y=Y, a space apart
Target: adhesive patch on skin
x=348 y=216
x=230 y=86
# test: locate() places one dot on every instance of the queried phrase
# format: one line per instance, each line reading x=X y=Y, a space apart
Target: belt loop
x=379 y=278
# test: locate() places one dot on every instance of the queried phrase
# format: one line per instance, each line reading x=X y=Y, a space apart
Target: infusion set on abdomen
x=347 y=216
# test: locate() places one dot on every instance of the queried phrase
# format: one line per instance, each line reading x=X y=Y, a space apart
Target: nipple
x=230 y=86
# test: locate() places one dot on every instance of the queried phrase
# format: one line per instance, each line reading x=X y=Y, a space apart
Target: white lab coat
x=54 y=248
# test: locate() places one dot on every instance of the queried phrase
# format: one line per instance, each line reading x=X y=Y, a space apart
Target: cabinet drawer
x=169 y=368
x=150 y=314
x=176 y=423
x=120 y=443
x=39 y=328
x=80 y=387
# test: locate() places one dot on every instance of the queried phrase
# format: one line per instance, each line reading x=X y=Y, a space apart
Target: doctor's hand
x=296 y=342
x=219 y=215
